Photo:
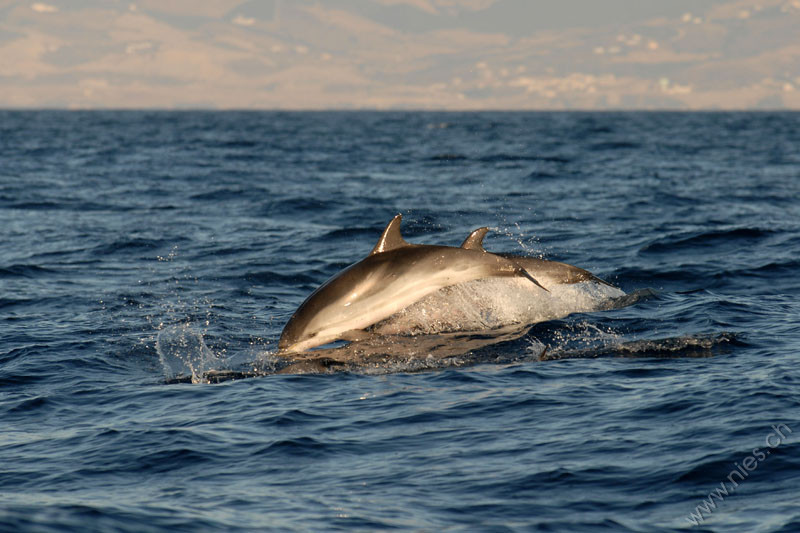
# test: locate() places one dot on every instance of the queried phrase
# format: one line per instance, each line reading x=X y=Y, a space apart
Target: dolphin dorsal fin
x=390 y=238
x=475 y=240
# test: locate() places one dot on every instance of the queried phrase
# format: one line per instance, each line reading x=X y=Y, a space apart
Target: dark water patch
x=8 y=379
x=65 y=205
x=757 y=463
x=66 y=517
x=133 y=245
x=269 y=278
x=501 y=158
x=611 y=146
x=733 y=237
x=170 y=461
x=24 y=271
x=296 y=205
x=293 y=418
x=789 y=527
x=25 y=406
x=644 y=372
x=685 y=406
x=226 y=193
x=447 y=157
x=541 y=174
x=62 y=256
x=209 y=251
x=305 y=447
x=350 y=234
x=240 y=143
x=790 y=266
x=23 y=351
x=244 y=157
x=640 y=276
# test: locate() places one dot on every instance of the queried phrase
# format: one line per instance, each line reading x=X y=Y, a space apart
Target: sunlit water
x=142 y=247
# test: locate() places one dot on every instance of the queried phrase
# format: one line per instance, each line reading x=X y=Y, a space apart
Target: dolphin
x=393 y=276
x=550 y=272
x=482 y=306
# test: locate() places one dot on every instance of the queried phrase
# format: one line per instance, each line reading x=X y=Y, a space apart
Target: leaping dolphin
x=393 y=276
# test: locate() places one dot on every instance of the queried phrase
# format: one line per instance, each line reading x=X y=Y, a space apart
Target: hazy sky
x=442 y=54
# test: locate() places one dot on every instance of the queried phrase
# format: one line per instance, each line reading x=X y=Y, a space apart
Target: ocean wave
x=733 y=236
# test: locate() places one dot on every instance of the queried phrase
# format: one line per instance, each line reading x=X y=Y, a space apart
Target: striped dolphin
x=484 y=306
x=393 y=276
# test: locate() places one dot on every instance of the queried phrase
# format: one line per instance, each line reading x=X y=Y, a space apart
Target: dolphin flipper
x=522 y=272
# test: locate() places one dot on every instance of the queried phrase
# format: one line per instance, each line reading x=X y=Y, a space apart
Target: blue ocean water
x=677 y=410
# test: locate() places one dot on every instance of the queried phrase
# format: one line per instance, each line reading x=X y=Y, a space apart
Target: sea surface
x=127 y=235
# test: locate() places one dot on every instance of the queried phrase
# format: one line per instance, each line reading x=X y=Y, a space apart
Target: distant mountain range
x=387 y=54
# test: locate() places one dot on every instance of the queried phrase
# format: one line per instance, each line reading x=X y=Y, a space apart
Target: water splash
x=183 y=352
x=456 y=326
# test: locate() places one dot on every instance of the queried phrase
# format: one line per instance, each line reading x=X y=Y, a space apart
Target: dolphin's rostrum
x=393 y=276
